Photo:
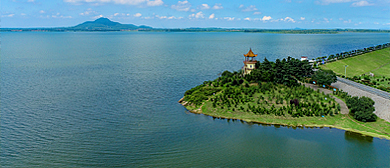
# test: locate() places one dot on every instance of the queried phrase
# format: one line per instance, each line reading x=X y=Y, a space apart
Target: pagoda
x=249 y=62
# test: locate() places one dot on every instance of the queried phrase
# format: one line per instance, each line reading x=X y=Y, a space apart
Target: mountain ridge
x=105 y=24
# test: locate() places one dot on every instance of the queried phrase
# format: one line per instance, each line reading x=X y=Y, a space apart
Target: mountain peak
x=105 y=21
x=102 y=19
x=106 y=24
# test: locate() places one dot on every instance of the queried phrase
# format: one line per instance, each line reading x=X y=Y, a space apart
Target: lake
x=109 y=99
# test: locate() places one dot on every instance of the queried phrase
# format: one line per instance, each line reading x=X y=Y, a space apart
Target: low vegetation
x=273 y=94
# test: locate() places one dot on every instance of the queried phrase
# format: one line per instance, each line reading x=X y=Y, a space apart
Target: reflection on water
x=357 y=137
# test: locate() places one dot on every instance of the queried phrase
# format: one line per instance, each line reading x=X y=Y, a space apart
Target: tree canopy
x=362 y=108
x=325 y=77
x=286 y=71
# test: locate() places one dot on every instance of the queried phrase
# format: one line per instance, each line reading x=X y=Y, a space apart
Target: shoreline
x=363 y=133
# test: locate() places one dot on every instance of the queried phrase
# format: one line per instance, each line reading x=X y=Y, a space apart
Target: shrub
x=361 y=108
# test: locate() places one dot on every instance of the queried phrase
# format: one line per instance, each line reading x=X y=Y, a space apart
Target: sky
x=262 y=14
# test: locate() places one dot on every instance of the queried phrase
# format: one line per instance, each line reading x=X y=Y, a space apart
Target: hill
x=104 y=24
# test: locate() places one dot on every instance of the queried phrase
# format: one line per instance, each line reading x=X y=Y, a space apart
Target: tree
x=325 y=77
x=362 y=108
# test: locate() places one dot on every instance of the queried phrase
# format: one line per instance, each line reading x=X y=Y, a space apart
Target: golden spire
x=250 y=53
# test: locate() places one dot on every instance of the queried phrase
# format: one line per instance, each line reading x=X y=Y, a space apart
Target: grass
x=380 y=128
x=377 y=62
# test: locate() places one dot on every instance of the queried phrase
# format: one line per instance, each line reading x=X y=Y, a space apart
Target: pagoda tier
x=249 y=62
x=250 y=53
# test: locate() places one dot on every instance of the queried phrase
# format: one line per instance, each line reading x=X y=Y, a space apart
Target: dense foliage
x=276 y=99
x=361 y=108
x=324 y=77
x=200 y=93
x=272 y=88
x=286 y=72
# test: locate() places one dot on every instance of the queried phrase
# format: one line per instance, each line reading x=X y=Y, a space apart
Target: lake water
x=110 y=100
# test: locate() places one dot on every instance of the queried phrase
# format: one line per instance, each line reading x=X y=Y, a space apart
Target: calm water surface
x=110 y=100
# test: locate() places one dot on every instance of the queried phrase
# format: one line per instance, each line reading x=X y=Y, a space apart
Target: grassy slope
x=380 y=128
x=364 y=63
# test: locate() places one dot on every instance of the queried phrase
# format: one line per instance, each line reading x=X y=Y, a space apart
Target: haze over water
x=110 y=99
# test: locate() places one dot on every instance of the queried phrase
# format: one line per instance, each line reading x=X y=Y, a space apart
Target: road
x=372 y=90
x=381 y=98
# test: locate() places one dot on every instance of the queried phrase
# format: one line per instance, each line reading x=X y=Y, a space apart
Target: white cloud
x=288 y=19
x=88 y=12
x=164 y=17
x=229 y=18
x=42 y=11
x=137 y=15
x=61 y=16
x=212 y=16
x=341 y=19
x=161 y=17
x=182 y=6
x=336 y=1
x=256 y=13
x=218 y=6
x=302 y=18
x=193 y=10
x=9 y=15
x=361 y=3
x=326 y=20
x=98 y=16
x=30 y=0
x=376 y=23
x=197 y=15
x=348 y=21
x=154 y=3
x=248 y=19
x=23 y=14
x=241 y=6
x=204 y=6
x=123 y=2
x=249 y=8
x=327 y=2
x=265 y=18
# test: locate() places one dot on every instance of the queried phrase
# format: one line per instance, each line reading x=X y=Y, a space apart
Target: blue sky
x=276 y=14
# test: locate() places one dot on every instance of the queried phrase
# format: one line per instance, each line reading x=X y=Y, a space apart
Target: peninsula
x=276 y=93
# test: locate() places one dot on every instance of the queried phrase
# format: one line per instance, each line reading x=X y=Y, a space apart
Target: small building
x=249 y=62
x=303 y=58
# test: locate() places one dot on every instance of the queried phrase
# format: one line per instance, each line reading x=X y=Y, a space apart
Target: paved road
x=382 y=101
x=372 y=90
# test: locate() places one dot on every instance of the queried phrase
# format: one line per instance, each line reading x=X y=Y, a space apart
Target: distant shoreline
x=274 y=31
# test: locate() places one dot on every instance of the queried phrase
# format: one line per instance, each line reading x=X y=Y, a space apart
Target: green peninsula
x=275 y=93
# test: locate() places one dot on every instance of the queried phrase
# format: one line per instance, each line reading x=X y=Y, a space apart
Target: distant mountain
x=104 y=24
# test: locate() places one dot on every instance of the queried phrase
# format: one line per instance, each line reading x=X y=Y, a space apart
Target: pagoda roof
x=250 y=54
